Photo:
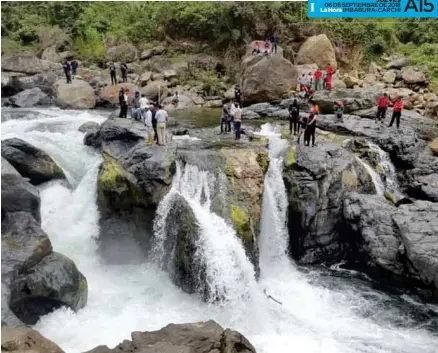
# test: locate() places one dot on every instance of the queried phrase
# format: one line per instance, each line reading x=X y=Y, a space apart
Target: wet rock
x=28 y=64
x=26 y=340
x=30 y=161
x=317 y=180
x=317 y=50
x=201 y=337
x=353 y=99
x=89 y=126
x=266 y=78
x=30 y=98
x=77 y=95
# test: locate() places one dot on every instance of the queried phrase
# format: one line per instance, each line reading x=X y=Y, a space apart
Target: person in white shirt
x=237 y=121
x=144 y=106
x=232 y=110
x=149 y=127
x=161 y=117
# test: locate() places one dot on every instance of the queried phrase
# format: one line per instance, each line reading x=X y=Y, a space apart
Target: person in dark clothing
x=274 y=43
x=382 y=106
x=396 y=114
x=154 y=121
x=74 y=67
x=225 y=120
x=123 y=104
x=294 y=113
x=124 y=70
x=112 y=71
x=310 y=131
x=67 y=70
x=237 y=94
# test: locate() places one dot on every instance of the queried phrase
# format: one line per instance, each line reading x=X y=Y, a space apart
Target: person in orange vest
x=329 y=77
x=382 y=106
x=396 y=112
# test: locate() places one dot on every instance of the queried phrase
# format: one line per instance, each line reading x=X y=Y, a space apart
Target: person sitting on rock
x=225 y=120
x=123 y=101
x=396 y=112
x=237 y=121
x=382 y=106
x=67 y=69
x=256 y=48
x=124 y=70
x=112 y=71
x=294 y=113
x=267 y=47
x=338 y=109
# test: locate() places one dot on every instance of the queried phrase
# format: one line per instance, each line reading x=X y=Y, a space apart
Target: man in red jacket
x=396 y=114
x=329 y=77
x=318 y=79
x=382 y=106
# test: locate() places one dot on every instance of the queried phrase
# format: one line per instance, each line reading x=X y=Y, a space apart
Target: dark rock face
x=316 y=181
x=89 y=126
x=30 y=161
x=30 y=98
x=35 y=280
x=202 y=337
x=394 y=242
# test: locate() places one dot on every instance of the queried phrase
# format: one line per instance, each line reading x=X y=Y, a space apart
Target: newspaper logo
x=372 y=9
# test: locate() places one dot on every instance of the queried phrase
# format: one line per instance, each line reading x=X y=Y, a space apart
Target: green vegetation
x=390 y=197
x=291 y=156
x=111 y=177
x=241 y=222
x=263 y=160
x=221 y=28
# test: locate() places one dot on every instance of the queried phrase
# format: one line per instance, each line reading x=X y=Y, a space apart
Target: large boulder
x=155 y=90
x=316 y=180
x=411 y=75
x=145 y=78
x=398 y=63
x=89 y=126
x=317 y=50
x=51 y=54
x=30 y=161
x=109 y=95
x=26 y=340
x=13 y=82
x=200 y=337
x=28 y=64
x=125 y=52
x=203 y=61
x=353 y=99
x=77 y=95
x=184 y=101
x=267 y=78
x=149 y=53
x=30 y=98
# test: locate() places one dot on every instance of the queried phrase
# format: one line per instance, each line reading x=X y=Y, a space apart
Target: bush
x=51 y=36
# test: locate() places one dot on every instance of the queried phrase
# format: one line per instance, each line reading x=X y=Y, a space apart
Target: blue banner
x=372 y=9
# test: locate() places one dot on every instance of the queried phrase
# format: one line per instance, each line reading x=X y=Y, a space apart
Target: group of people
x=299 y=124
x=113 y=72
x=382 y=107
x=70 y=69
x=152 y=115
x=320 y=79
x=233 y=113
x=270 y=45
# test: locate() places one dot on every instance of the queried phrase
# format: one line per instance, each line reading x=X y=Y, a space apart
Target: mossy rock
x=242 y=223
x=290 y=160
x=263 y=160
x=284 y=133
x=390 y=197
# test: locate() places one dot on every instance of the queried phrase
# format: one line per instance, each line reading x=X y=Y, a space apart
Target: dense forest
x=215 y=27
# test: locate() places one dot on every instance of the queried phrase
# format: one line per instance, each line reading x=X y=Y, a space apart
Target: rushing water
x=318 y=313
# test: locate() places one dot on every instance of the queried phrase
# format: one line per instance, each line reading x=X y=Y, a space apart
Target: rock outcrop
x=27 y=64
x=76 y=95
x=266 y=78
x=316 y=181
x=30 y=161
x=35 y=280
x=89 y=126
x=30 y=98
x=201 y=337
x=109 y=95
x=317 y=50
x=26 y=340
x=125 y=52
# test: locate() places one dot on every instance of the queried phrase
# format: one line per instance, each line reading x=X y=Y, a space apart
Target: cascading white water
x=377 y=180
x=312 y=318
x=229 y=274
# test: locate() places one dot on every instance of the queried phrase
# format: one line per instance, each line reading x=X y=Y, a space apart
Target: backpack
x=112 y=68
x=123 y=67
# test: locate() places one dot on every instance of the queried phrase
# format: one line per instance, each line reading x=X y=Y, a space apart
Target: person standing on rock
x=149 y=128
x=329 y=79
x=225 y=120
x=135 y=105
x=237 y=121
x=310 y=131
x=382 y=106
x=67 y=71
x=294 y=114
x=338 y=109
x=274 y=43
x=162 y=117
x=237 y=95
x=124 y=70
x=396 y=112
x=154 y=121
x=112 y=71
x=143 y=106
x=318 y=79
x=123 y=101
x=267 y=45
x=74 y=68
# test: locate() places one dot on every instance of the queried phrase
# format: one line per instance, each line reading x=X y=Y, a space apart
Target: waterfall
x=229 y=273
x=375 y=177
x=318 y=313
